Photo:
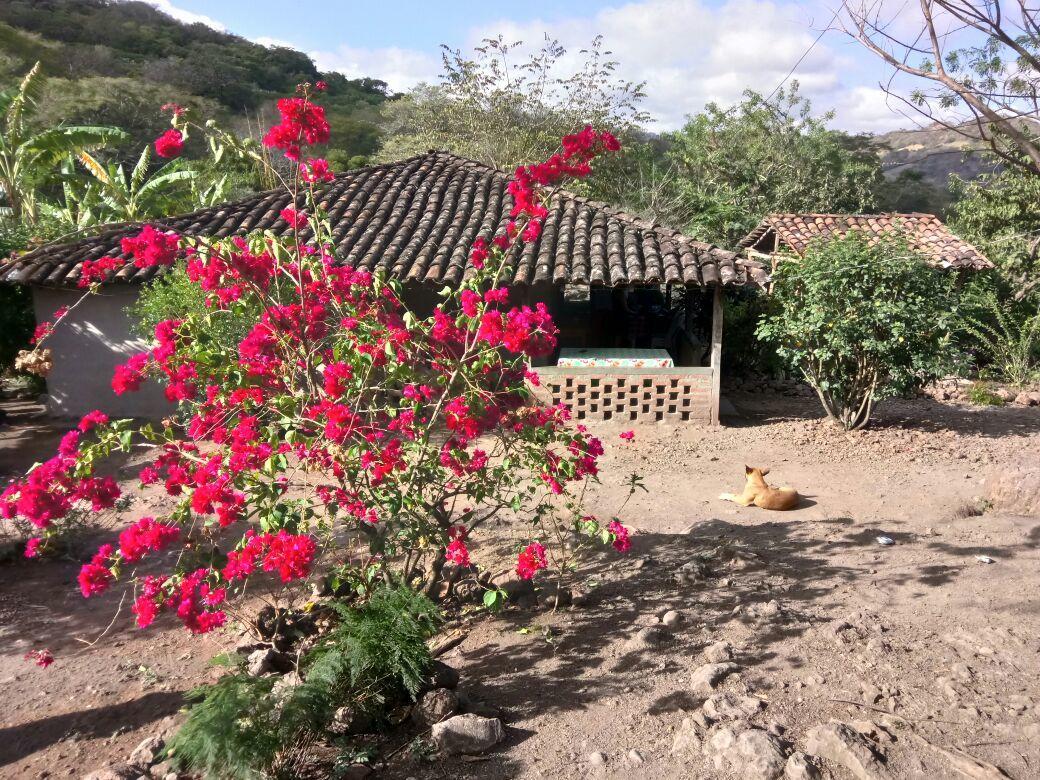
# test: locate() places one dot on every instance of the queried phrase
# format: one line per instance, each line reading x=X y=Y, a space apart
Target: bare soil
x=920 y=637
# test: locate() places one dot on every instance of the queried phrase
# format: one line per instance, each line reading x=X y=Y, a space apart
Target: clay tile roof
x=924 y=233
x=415 y=219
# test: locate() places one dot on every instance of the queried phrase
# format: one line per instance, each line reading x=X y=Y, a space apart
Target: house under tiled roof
x=924 y=233
x=416 y=219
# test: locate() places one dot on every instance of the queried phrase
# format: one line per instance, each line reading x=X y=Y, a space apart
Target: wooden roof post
x=716 y=353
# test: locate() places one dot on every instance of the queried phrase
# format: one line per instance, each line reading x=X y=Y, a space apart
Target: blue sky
x=688 y=51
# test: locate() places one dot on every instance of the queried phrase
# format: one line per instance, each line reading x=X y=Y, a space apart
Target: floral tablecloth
x=593 y=357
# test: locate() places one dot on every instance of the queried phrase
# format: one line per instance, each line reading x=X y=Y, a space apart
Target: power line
x=804 y=55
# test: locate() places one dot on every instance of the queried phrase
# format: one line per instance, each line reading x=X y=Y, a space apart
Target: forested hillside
x=118 y=63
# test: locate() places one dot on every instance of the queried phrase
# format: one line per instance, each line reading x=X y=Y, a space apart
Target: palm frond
x=47 y=148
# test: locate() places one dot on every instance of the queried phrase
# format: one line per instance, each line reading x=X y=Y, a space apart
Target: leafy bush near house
x=173 y=296
x=743 y=353
x=376 y=656
x=862 y=323
x=1005 y=334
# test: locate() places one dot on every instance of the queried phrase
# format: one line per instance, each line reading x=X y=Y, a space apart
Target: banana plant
x=138 y=196
x=29 y=157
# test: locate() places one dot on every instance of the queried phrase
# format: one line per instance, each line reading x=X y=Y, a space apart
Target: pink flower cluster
x=50 y=491
x=530 y=561
x=193 y=599
x=170 y=144
x=303 y=122
x=291 y=555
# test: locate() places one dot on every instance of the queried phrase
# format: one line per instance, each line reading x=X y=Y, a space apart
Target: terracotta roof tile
x=416 y=220
x=925 y=233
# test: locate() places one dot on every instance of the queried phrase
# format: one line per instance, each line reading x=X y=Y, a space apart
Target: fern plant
x=1008 y=336
x=242 y=727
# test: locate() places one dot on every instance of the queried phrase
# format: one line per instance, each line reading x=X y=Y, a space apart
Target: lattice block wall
x=632 y=397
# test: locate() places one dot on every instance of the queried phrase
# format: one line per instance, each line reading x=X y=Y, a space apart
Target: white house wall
x=86 y=347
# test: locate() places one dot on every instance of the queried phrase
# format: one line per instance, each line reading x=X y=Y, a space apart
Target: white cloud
x=183 y=15
x=400 y=68
x=690 y=54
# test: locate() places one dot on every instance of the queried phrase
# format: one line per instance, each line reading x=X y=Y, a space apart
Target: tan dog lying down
x=757 y=492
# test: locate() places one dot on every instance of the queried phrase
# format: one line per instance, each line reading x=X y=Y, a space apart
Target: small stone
x=842 y=744
x=705 y=678
x=1024 y=399
x=635 y=758
x=799 y=767
x=148 y=751
x=731 y=706
x=718 y=652
x=261 y=661
x=347 y=720
x=434 y=706
x=652 y=636
x=672 y=619
x=597 y=759
x=469 y=734
x=962 y=672
x=686 y=738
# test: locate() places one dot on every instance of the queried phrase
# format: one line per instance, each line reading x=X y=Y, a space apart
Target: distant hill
x=933 y=152
x=118 y=62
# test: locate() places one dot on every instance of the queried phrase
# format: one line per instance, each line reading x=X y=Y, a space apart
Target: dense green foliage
x=30 y=155
x=1004 y=335
x=16 y=314
x=118 y=62
x=1000 y=213
x=862 y=323
x=244 y=726
x=735 y=165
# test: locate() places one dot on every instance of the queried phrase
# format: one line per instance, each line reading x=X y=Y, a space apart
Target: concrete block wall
x=681 y=394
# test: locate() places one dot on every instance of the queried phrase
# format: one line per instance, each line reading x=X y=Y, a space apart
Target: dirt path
x=816 y=611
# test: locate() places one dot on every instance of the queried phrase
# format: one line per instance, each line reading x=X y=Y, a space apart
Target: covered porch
x=647 y=353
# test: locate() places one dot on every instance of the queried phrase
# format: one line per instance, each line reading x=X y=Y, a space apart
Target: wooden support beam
x=716 y=353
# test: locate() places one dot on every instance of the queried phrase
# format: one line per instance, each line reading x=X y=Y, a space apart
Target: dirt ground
x=936 y=649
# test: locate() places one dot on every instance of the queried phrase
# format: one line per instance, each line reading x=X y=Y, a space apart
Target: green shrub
x=1004 y=334
x=376 y=656
x=173 y=296
x=862 y=322
x=980 y=395
x=743 y=353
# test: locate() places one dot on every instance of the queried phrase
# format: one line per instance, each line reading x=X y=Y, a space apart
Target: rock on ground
x=148 y=751
x=732 y=706
x=753 y=754
x=842 y=744
x=468 y=734
x=718 y=652
x=435 y=706
x=799 y=767
x=705 y=678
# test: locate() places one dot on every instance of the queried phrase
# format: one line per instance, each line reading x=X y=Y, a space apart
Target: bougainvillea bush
x=342 y=435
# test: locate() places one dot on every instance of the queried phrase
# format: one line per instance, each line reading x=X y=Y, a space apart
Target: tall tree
x=735 y=165
x=976 y=66
x=503 y=108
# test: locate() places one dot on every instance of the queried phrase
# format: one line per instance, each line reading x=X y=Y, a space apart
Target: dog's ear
x=747 y=469
x=764 y=472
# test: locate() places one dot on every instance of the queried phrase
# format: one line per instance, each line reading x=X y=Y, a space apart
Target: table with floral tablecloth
x=596 y=357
